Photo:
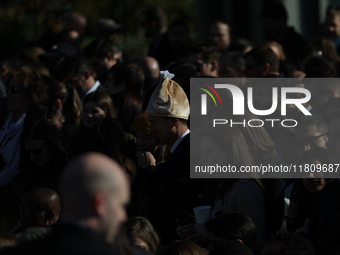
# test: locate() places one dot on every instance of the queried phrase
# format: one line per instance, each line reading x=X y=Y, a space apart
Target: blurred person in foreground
x=93 y=210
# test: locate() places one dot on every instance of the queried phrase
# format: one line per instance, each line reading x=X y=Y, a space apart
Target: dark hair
x=317 y=121
x=103 y=46
x=74 y=66
x=107 y=137
x=129 y=76
x=103 y=100
x=156 y=14
x=233 y=226
x=321 y=72
x=240 y=45
x=332 y=12
x=208 y=53
x=128 y=107
x=264 y=54
x=235 y=60
x=71 y=103
x=44 y=130
x=34 y=88
x=139 y=227
x=288 y=243
x=317 y=61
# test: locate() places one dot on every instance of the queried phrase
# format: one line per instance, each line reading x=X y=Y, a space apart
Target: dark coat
x=66 y=239
x=170 y=188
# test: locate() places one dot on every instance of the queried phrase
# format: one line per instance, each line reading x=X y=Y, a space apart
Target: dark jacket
x=65 y=239
x=170 y=188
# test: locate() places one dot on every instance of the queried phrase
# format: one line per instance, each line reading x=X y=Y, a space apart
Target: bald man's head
x=40 y=207
x=150 y=67
x=94 y=188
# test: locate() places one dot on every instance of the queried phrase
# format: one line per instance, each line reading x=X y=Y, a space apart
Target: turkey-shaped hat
x=169 y=99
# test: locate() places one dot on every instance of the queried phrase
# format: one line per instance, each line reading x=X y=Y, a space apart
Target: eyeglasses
x=14 y=88
x=29 y=209
x=311 y=140
x=36 y=152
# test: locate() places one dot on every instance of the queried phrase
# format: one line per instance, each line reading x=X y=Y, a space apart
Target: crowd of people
x=95 y=144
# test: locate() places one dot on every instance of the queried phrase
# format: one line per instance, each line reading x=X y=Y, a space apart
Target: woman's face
x=39 y=152
x=213 y=154
x=91 y=114
x=17 y=103
x=146 y=143
x=316 y=182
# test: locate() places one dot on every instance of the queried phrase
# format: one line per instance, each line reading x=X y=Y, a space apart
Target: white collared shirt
x=92 y=89
x=173 y=148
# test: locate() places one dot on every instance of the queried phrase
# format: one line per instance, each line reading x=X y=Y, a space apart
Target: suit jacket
x=66 y=239
x=170 y=188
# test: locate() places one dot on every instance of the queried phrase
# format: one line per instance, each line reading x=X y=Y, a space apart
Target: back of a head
x=233 y=226
x=46 y=197
x=103 y=46
x=74 y=66
x=150 y=67
x=264 y=54
x=129 y=76
x=235 y=60
x=284 y=243
x=91 y=172
x=209 y=54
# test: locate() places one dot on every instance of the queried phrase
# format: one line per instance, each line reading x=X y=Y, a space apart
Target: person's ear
x=214 y=65
x=58 y=102
x=49 y=218
x=87 y=74
x=109 y=56
x=175 y=122
x=99 y=202
x=239 y=240
x=266 y=68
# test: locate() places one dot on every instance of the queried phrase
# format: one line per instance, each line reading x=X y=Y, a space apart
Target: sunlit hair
x=71 y=103
x=282 y=55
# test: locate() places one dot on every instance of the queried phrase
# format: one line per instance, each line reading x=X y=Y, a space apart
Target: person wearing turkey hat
x=169 y=188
